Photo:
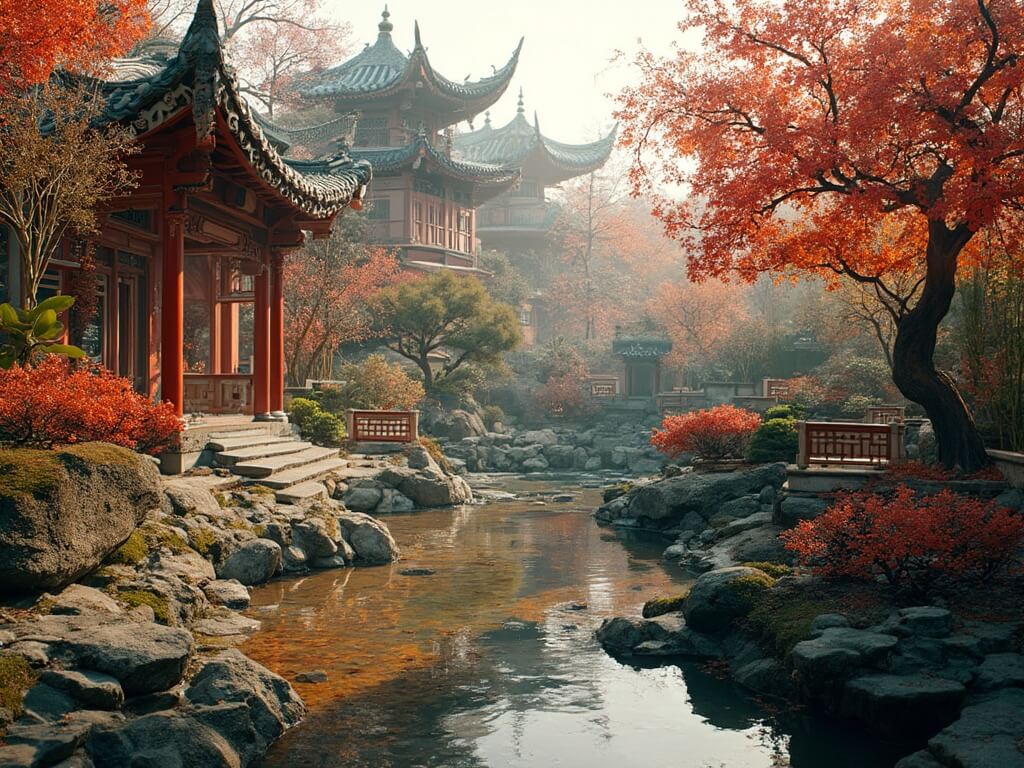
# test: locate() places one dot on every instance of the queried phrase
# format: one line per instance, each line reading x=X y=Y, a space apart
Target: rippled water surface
x=490 y=661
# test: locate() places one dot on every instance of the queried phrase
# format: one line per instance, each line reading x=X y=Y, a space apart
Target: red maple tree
x=38 y=36
x=806 y=131
x=716 y=433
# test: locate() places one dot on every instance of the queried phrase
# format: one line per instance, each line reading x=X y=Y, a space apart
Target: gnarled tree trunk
x=959 y=443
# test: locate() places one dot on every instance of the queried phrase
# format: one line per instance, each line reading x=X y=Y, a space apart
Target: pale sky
x=565 y=68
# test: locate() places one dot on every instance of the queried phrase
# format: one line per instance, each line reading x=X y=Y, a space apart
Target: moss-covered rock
x=719 y=598
x=16 y=677
x=161 y=606
x=63 y=512
x=659 y=606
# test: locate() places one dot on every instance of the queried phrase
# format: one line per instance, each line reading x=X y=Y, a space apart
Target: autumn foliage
x=716 y=433
x=918 y=542
x=38 y=36
x=53 y=404
x=564 y=395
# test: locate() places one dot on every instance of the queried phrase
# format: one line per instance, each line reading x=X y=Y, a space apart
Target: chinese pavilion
x=424 y=198
x=520 y=219
x=204 y=233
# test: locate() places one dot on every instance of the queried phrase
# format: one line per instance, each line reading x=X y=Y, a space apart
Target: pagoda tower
x=403 y=111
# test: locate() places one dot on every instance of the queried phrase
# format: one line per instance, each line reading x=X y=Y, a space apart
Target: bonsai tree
x=448 y=317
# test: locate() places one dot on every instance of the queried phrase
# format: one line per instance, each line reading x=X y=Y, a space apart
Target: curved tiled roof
x=147 y=91
x=511 y=145
x=397 y=158
x=381 y=68
x=284 y=138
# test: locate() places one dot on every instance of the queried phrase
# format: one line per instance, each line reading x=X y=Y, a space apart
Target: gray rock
x=825 y=621
x=926 y=621
x=536 y=464
x=744 y=506
x=419 y=458
x=232 y=677
x=229 y=593
x=999 y=670
x=178 y=739
x=767 y=676
x=593 y=463
x=429 y=487
x=394 y=501
x=834 y=654
x=227 y=625
x=144 y=657
x=37 y=654
x=793 y=509
x=987 y=735
x=927 y=447
x=703 y=493
x=316 y=535
x=537 y=437
x=186 y=498
x=188 y=565
x=86 y=505
x=662 y=636
x=42 y=744
x=370 y=539
x=92 y=690
x=76 y=600
x=902 y=704
x=720 y=597
x=996 y=636
x=316 y=676
x=560 y=456
x=362 y=498
x=253 y=562
x=1013 y=499
x=44 y=703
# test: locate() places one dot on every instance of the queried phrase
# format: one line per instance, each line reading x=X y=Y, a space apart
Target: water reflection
x=491 y=661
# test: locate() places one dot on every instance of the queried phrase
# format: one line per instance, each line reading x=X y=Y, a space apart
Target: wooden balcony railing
x=383 y=426
x=850 y=444
x=218 y=393
x=678 y=401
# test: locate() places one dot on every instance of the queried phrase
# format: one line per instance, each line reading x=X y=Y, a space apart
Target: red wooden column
x=277 y=336
x=172 y=316
x=261 y=347
x=229 y=336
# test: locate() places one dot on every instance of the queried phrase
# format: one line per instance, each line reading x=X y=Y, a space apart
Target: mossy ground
x=27 y=472
x=16 y=677
x=775 y=570
x=781 y=617
x=161 y=607
x=101 y=453
x=203 y=541
x=659 y=606
x=132 y=552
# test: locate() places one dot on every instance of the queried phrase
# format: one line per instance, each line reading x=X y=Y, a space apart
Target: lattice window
x=379 y=209
x=372 y=132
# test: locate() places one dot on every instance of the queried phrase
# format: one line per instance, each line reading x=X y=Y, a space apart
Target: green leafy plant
x=28 y=332
x=774 y=440
x=325 y=429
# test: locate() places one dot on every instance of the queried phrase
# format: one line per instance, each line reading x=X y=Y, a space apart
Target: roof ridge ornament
x=385 y=25
x=418 y=43
x=520 y=108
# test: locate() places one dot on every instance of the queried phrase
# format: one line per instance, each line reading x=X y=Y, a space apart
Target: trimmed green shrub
x=774 y=440
x=301 y=410
x=785 y=411
x=493 y=414
x=325 y=429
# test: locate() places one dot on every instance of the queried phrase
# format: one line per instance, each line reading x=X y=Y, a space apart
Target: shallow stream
x=490 y=661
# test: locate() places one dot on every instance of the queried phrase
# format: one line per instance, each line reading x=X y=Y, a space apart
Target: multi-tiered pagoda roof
x=381 y=71
x=520 y=144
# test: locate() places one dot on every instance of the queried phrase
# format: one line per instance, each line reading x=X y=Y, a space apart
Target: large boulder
x=989 y=734
x=233 y=677
x=720 y=597
x=63 y=512
x=703 y=493
x=220 y=736
x=665 y=635
x=837 y=652
x=144 y=657
x=428 y=487
x=369 y=537
x=253 y=562
x=903 y=704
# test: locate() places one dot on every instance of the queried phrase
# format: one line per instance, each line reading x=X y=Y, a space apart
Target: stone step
x=296 y=494
x=233 y=443
x=230 y=458
x=300 y=474
x=268 y=466
x=255 y=429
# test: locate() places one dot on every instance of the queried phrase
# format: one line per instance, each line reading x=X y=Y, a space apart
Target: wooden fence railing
x=218 y=393
x=383 y=426
x=850 y=444
x=603 y=386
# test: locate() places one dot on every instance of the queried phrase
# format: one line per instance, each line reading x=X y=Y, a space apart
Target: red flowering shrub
x=565 y=396
x=717 y=433
x=52 y=404
x=914 y=541
x=917 y=470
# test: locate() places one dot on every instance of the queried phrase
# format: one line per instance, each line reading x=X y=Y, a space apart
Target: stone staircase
x=291 y=467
